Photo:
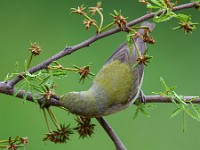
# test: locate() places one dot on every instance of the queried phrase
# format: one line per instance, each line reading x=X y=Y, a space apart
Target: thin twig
x=6 y=89
x=87 y=42
x=163 y=99
x=118 y=143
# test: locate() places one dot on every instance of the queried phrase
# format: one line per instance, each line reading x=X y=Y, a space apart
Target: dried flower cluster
x=93 y=10
x=147 y=38
x=14 y=144
x=35 y=49
x=88 y=23
x=59 y=136
x=144 y=59
x=169 y=4
x=85 y=127
x=187 y=26
x=79 y=10
x=144 y=1
x=84 y=72
x=119 y=20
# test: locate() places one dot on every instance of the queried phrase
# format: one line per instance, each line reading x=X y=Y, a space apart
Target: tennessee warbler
x=116 y=86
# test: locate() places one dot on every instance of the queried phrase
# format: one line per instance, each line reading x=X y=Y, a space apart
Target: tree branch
x=118 y=144
x=5 y=89
x=163 y=99
x=87 y=42
x=54 y=101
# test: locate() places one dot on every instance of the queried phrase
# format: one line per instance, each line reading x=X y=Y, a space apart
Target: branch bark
x=54 y=101
x=118 y=143
x=163 y=99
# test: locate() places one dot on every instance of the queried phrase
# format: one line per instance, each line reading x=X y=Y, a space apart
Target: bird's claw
x=142 y=97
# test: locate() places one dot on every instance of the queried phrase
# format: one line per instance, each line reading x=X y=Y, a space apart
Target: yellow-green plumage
x=116 y=79
x=114 y=88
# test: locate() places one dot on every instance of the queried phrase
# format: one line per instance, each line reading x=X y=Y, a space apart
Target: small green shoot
x=186 y=107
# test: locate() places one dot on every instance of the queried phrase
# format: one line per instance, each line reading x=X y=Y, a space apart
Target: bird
x=116 y=86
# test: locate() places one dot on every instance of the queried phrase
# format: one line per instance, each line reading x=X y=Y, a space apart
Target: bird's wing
x=124 y=55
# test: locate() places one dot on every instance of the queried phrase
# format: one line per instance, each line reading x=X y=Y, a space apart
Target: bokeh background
x=49 y=22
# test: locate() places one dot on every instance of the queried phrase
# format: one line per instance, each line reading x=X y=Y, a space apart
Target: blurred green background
x=49 y=22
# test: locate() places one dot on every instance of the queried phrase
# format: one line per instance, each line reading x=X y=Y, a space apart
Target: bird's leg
x=142 y=97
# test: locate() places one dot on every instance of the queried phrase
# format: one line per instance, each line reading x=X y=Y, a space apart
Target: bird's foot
x=142 y=97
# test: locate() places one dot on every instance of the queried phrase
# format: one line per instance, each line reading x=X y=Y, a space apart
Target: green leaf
x=176 y=28
x=22 y=85
x=144 y=112
x=190 y=113
x=152 y=6
x=184 y=122
x=35 y=98
x=33 y=94
x=45 y=80
x=115 y=12
x=129 y=41
x=17 y=66
x=163 y=3
x=175 y=112
x=165 y=16
x=43 y=88
x=183 y=17
x=196 y=109
x=156 y=2
x=36 y=88
x=59 y=74
x=163 y=82
x=179 y=98
x=136 y=113
x=25 y=96
x=141 y=107
x=8 y=76
x=150 y=106
x=25 y=65
x=33 y=75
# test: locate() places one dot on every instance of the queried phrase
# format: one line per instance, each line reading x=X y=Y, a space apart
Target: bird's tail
x=123 y=53
x=140 y=41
